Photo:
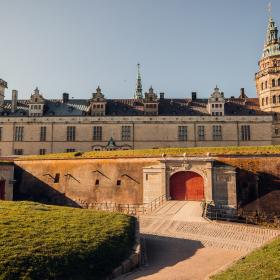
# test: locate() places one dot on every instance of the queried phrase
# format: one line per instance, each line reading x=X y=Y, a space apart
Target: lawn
x=50 y=242
x=262 y=264
x=197 y=151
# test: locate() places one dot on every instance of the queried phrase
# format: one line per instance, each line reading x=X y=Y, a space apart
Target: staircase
x=180 y=211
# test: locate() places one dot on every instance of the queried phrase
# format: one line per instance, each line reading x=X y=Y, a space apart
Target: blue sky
x=183 y=46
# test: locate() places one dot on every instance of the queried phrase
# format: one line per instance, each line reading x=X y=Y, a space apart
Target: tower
x=3 y=86
x=138 y=89
x=268 y=77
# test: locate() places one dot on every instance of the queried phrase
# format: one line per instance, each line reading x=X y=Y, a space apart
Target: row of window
x=220 y=105
x=275 y=99
x=126 y=133
x=274 y=83
x=36 y=107
x=216 y=133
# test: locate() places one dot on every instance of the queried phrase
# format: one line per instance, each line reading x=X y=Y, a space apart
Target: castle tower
x=138 y=89
x=268 y=77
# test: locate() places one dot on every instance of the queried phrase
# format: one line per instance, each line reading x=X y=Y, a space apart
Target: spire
x=271 y=33
x=138 y=90
x=272 y=42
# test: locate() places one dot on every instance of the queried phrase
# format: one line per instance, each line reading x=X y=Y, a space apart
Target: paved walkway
x=183 y=247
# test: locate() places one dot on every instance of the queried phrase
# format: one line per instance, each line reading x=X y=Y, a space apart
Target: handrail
x=131 y=209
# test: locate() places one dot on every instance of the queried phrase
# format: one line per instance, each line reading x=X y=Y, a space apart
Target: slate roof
x=134 y=107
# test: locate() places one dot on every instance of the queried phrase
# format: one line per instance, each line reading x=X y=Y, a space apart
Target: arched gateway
x=186 y=185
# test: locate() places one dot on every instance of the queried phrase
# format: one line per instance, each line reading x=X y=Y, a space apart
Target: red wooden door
x=2 y=190
x=186 y=186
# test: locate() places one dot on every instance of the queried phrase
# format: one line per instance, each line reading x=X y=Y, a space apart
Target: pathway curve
x=191 y=248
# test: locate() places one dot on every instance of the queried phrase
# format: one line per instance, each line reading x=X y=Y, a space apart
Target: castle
x=150 y=120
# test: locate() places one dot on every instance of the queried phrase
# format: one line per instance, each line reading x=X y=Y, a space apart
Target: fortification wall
x=258 y=182
x=70 y=182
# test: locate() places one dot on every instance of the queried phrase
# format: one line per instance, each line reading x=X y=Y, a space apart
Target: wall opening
x=187 y=185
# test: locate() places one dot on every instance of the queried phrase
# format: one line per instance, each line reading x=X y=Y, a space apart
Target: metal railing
x=130 y=209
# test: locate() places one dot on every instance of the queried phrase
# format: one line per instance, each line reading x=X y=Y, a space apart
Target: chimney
x=65 y=97
x=242 y=93
x=161 y=95
x=14 y=100
x=194 y=96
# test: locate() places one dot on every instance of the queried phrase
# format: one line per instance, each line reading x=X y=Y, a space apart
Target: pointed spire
x=138 y=90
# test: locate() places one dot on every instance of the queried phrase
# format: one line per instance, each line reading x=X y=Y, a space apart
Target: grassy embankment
x=49 y=242
x=262 y=264
x=199 y=151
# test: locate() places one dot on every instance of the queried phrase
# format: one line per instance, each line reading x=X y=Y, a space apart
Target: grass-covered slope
x=49 y=242
x=262 y=264
x=197 y=151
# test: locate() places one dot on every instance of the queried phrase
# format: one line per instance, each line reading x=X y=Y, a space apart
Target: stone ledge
x=134 y=259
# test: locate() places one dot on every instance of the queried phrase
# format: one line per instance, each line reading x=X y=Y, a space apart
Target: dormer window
x=216 y=103
x=98 y=103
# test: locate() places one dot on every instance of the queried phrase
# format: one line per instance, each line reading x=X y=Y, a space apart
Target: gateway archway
x=187 y=185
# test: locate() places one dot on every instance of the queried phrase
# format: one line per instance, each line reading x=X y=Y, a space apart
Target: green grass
x=198 y=151
x=262 y=264
x=50 y=242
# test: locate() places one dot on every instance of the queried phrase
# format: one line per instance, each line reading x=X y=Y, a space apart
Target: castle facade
x=150 y=120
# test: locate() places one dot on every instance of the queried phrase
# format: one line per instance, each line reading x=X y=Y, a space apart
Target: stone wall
x=79 y=181
x=258 y=182
x=146 y=132
x=7 y=175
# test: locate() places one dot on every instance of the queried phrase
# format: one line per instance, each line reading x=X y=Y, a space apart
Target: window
x=97 y=133
x=71 y=133
x=265 y=84
x=273 y=83
x=126 y=133
x=262 y=86
x=201 y=133
x=96 y=182
x=118 y=182
x=279 y=98
x=262 y=101
x=42 y=151
x=1 y=130
x=276 y=131
x=273 y=99
x=217 y=132
x=43 y=133
x=278 y=82
x=18 y=151
x=56 y=178
x=19 y=133
x=266 y=100
x=70 y=150
x=182 y=133
x=245 y=133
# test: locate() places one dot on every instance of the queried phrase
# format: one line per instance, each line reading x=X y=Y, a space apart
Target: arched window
x=263 y=101
x=266 y=100
x=273 y=99
x=262 y=86
x=265 y=84
x=273 y=83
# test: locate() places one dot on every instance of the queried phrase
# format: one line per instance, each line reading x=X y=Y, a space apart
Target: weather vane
x=269 y=8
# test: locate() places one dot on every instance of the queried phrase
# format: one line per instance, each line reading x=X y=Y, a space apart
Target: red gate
x=186 y=185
